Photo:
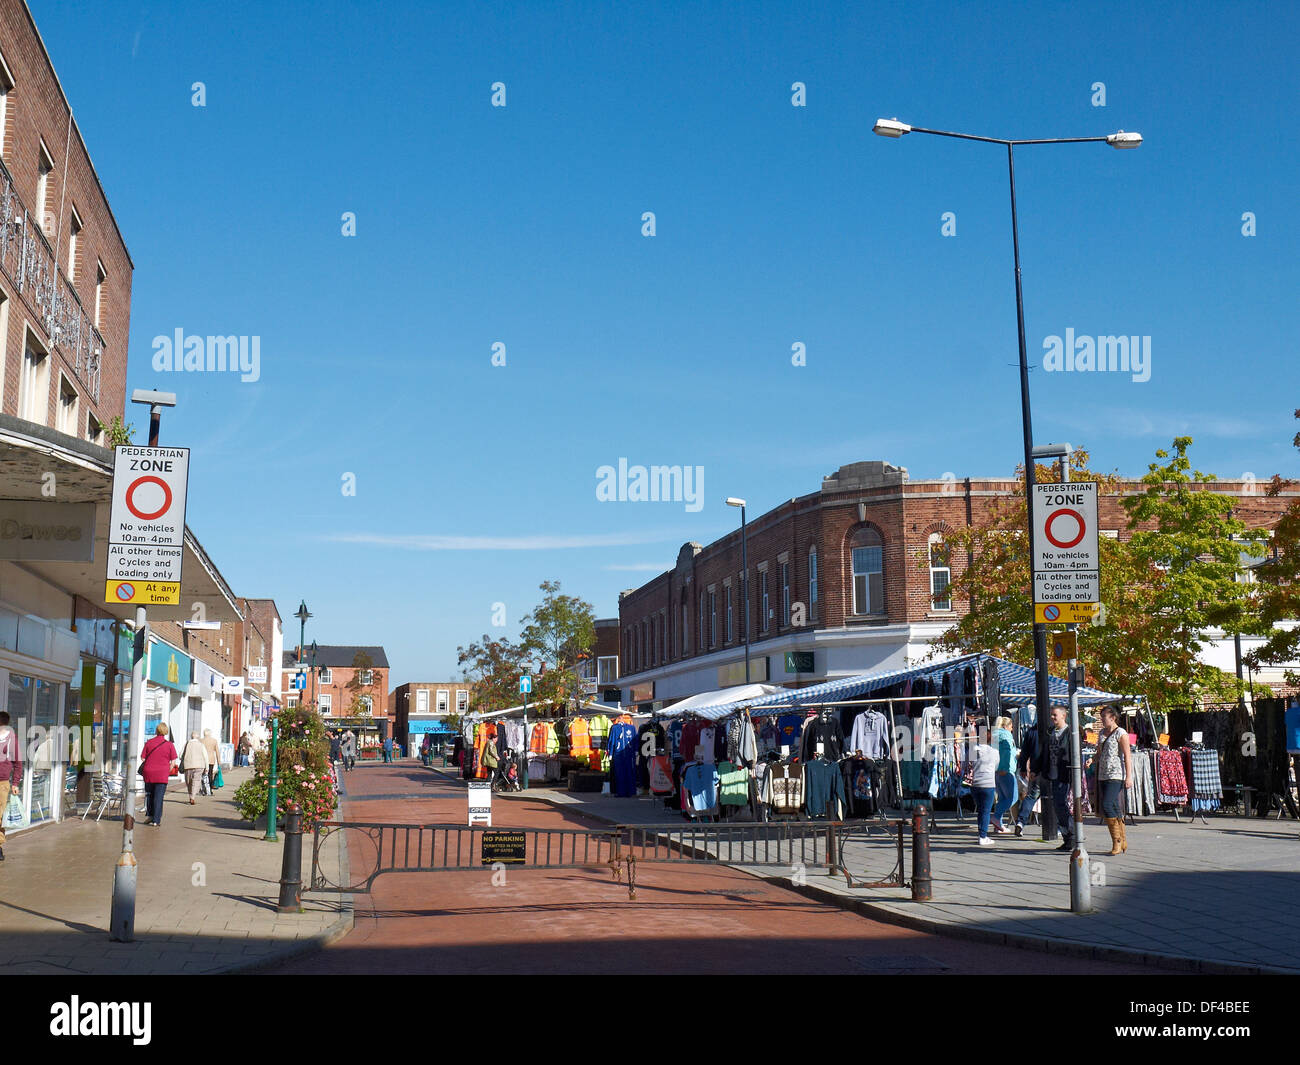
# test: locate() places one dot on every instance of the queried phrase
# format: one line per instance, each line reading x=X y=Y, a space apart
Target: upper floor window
x=6 y=87
x=366 y=677
x=812 y=582
x=67 y=415
x=421 y=700
x=94 y=431
x=685 y=635
x=101 y=279
x=74 y=231
x=462 y=700
x=326 y=702
x=867 y=555
x=700 y=629
x=325 y=676
x=731 y=634
x=606 y=669
x=713 y=619
x=34 y=382
x=44 y=168
x=744 y=606
x=785 y=593
x=764 y=604
x=940 y=573
x=442 y=703
x=665 y=639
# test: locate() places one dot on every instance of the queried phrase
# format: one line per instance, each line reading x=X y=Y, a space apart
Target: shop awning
x=1015 y=681
x=83 y=473
x=707 y=704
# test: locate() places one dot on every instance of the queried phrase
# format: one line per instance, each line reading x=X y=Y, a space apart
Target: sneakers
x=1020 y=829
x=985 y=841
x=1068 y=845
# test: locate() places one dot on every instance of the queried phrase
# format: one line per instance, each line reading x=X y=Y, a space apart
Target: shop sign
x=733 y=674
x=479 y=799
x=257 y=674
x=33 y=530
x=799 y=662
x=169 y=667
x=510 y=847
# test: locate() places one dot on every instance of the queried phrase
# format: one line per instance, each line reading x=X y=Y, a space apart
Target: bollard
x=832 y=852
x=291 y=865
x=921 y=887
x=121 y=927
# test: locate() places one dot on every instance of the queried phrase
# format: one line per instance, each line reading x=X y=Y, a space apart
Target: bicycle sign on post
x=525 y=689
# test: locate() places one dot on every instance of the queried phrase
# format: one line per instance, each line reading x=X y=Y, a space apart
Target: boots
x=1116 y=829
x=1123 y=834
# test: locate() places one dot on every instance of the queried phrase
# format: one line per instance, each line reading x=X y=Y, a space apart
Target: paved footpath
x=1187 y=895
x=207 y=889
x=703 y=919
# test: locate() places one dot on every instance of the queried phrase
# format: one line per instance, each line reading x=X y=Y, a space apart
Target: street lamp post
x=314 y=649
x=122 y=913
x=894 y=129
x=732 y=501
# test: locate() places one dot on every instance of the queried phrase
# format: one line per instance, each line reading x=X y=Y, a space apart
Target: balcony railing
x=28 y=260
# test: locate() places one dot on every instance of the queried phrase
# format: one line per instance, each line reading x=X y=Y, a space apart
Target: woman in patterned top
x=1114 y=763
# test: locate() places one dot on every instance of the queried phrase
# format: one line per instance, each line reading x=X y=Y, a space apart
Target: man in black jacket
x=1053 y=765
x=1025 y=767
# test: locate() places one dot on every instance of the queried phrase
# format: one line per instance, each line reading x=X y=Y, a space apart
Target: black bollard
x=921 y=887
x=291 y=865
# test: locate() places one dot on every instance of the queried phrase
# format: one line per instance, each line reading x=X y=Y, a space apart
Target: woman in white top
x=983 y=780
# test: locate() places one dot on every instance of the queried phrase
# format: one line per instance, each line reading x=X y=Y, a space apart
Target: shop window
x=867 y=557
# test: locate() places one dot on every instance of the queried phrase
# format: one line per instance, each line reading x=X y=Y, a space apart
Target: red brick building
x=846 y=575
x=65 y=273
x=364 y=707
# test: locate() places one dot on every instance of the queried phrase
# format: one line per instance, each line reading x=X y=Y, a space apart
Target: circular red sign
x=167 y=499
x=1047 y=527
x=126 y=592
x=1051 y=613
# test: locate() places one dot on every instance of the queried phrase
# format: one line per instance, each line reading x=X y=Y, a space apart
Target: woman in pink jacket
x=156 y=761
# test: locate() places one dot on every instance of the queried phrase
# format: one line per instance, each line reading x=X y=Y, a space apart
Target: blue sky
x=775 y=225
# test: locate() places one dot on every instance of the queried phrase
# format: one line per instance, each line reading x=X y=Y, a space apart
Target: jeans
x=153 y=801
x=1111 y=793
x=1060 y=798
x=1027 y=803
x=984 y=807
x=1006 y=789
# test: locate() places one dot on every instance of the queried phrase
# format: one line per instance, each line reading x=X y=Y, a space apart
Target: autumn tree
x=1278 y=585
x=362 y=664
x=561 y=630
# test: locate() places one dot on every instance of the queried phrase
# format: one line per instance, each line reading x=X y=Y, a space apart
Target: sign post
x=525 y=687
x=479 y=798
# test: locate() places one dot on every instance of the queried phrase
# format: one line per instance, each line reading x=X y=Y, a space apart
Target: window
x=664 y=642
x=713 y=618
x=731 y=635
x=326 y=703
x=462 y=700
x=744 y=608
x=6 y=87
x=686 y=636
x=606 y=669
x=812 y=582
x=785 y=594
x=74 y=227
x=325 y=676
x=44 y=167
x=94 y=431
x=700 y=630
x=67 y=413
x=765 y=611
x=367 y=705
x=940 y=573
x=868 y=572
x=34 y=382
x=101 y=278
x=367 y=677
x=291 y=701
x=443 y=700
x=422 y=700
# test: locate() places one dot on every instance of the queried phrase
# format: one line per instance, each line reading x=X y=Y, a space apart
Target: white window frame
x=367 y=706
x=101 y=279
x=785 y=595
x=34 y=380
x=936 y=540
x=713 y=616
x=764 y=600
x=66 y=414
x=6 y=87
x=442 y=704
x=326 y=677
x=366 y=677
x=700 y=641
x=872 y=607
x=421 y=700
x=812 y=582
x=462 y=700
x=75 y=226
x=94 y=429
x=686 y=628
x=44 y=168
x=730 y=610
x=325 y=702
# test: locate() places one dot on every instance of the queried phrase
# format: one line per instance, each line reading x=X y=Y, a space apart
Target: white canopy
x=705 y=703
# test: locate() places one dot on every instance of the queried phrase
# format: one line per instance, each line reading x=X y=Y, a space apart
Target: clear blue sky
x=775 y=225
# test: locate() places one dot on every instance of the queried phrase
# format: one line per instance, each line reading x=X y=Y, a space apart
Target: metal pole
x=273 y=796
x=744 y=566
x=1042 y=699
x=1080 y=881
x=121 y=925
x=523 y=767
x=291 y=862
x=922 y=887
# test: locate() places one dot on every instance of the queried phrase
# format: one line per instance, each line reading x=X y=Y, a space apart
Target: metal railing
x=31 y=265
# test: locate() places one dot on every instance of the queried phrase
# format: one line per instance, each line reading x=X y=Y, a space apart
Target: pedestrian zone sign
x=146 y=529
x=1066 y=554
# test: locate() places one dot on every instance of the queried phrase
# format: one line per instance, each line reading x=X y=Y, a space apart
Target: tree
x=1175 y=577
x=1278 y=586
x=493 y=668
x=562 y=630
x=118 y=433
x=361 y=663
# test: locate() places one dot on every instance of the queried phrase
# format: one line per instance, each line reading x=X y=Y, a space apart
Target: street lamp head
x=303 y=613
x=733 y=501
x=890 y=127
x=1124 y=140
x=154 y=399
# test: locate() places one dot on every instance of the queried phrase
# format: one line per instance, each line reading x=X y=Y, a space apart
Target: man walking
x=194 y=763
x=388 y=748
x=1054 y=767
x=11 y=771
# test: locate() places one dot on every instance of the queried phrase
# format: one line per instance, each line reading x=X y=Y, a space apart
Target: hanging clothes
x=661 y=776
x=674 y=735
x=1171 y=783
x=1140 y=799
x=579 y=738
x=785 y=783
x=1202 y=769
x=789 y=726
x=870 y=735
x=742 y=745
x=650 y=743
x=700 y=783
x=769 y=739
x=823 y=789
x=691 y=738
x=733 y=785
x=860 y=776
x=622 y=751
x=824 y=729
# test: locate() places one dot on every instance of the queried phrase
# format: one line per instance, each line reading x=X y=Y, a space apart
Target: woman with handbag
x=156 y=762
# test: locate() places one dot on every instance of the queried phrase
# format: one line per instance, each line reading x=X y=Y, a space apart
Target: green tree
x=118 y=433
x=561 y=630
x=1278 y=586
x=493 y=668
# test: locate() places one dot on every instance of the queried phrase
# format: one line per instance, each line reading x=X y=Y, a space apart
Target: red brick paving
x=684 y=920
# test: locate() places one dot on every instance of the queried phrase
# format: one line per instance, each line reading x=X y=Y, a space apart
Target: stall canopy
x=707 y=704
x=1016 y=683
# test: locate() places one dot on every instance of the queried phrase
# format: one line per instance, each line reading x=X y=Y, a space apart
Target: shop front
x=166 y=696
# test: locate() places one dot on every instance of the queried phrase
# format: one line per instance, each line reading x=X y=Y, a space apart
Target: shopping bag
x=220 y=783
x=14 y=816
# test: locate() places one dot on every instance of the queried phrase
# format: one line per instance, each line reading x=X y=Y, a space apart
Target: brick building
x=843 y=580
x=65 y=273
x=423 y=706
x=329 y=685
